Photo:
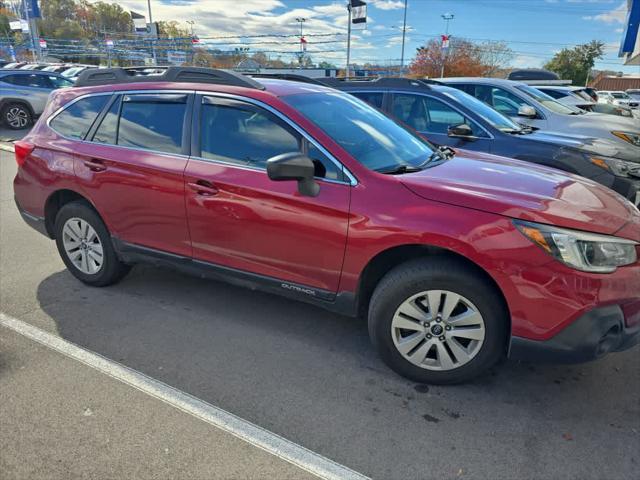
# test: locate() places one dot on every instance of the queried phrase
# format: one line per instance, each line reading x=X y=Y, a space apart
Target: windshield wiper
x=441 y=154
x=400 y=169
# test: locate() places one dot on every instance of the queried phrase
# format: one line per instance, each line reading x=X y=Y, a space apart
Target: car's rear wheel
x=85 y=246
x=436 y=320
x=16 y=116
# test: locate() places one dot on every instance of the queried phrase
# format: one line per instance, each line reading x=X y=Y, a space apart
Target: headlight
x=589 y=252
x=632 y=138
x=621 y=168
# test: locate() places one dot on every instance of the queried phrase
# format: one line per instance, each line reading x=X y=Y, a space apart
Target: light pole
x=301 y=21
x=191 y=22
x=447 y=17
x=151 y=30
x=404 y=33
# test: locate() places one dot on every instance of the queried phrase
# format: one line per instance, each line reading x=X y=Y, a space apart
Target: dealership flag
x=303 y=42
x=358 y=11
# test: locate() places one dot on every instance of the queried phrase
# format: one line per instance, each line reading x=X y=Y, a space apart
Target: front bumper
x=600 y=331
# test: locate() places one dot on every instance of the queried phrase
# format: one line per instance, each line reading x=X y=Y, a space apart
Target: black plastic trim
x=35 y=222
x=591 y=336
x=343 y=303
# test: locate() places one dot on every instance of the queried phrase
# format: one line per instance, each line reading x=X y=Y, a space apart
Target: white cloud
x=524 y=61
x=387 y=4
x=617 y=15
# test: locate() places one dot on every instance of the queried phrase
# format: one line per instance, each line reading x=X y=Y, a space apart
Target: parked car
x=58 y=68
x=613 y=110
x=33 y=66
x=634 y=93
x=24 y=93
x=580 y=98
x=530 y=106
x=618 y=98
x=14 y=65
x=592 y=92
x=305 y=191
x=450 y=117
x=73 y=72
x=572 y=96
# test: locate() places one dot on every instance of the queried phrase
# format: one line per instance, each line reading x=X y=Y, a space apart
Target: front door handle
x=203 y=187
x=95 y=165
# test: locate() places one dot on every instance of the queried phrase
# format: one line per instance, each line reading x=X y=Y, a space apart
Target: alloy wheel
x=17 y=117
x=438 y=330
x=82 y=246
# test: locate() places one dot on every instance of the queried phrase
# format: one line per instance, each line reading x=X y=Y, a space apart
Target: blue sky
x=534 y=29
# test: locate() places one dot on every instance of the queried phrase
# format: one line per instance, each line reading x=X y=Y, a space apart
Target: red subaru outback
x=455 y=258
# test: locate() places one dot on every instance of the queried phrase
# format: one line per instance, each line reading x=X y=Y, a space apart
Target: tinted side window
x=12 y=79
x=426 y=114
x=76 y=120
x=503 y=101
x=243 y=134
x=107 y=132
x=372 y=98
x=153 y=122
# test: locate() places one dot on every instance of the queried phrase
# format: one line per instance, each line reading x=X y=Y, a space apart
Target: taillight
x=23 y=150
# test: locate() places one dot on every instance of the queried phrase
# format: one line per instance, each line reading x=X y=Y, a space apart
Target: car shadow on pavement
x=313 y=376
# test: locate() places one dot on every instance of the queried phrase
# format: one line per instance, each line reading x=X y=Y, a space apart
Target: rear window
x=76 y=120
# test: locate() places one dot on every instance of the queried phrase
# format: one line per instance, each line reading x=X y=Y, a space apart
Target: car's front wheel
x=16 y=116
x=85 y=246
x=435 y=320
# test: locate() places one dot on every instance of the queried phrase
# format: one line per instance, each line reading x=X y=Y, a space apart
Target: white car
x=618 y=98
x=574 y=96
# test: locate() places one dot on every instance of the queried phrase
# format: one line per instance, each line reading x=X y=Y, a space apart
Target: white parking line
x=247 y=431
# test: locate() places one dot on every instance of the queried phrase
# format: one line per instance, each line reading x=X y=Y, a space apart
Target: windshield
x=495 y=118
x=619 y=95
x=583 y=94
x=545 y=100
x=369 y=136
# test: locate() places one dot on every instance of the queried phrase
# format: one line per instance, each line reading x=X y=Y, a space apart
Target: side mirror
x=462 y=130
x=527 y=111
x=294 y=166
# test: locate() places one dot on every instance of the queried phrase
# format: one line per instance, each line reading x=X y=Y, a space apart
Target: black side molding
x=343 y=303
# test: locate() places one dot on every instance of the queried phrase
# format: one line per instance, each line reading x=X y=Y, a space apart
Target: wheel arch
x=56 y=201
x=390 y=258
x=21 y=101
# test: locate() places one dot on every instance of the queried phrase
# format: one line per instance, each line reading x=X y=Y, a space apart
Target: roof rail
x=391 y=82
x=110 y=76
x=294 y=77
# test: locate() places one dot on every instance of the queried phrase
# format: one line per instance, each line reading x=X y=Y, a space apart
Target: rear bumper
x=37 y=223
x=600 y=331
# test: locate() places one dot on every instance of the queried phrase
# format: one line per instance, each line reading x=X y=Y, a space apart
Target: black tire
x=112 y=269
x=437 y=273
x=16 y=116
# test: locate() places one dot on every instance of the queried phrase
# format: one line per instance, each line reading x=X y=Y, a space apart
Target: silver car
x=24 y=94
x=530 y=106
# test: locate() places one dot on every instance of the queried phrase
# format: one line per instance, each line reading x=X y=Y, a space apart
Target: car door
x=433 y=118
x=241 y=220
x=132 y=168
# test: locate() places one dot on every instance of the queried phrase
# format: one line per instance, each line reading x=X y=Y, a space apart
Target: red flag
x=303 y=41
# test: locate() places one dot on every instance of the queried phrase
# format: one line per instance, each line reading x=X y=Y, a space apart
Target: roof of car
x=29 y=72
x=494 y=81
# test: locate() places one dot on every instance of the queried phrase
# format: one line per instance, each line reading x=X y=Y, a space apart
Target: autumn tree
x=576 y=63
x=495 y=56
x=462 y=59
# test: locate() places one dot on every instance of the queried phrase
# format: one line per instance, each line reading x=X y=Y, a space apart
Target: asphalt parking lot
x=295 y=370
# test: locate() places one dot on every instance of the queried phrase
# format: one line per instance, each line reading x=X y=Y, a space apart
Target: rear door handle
x=95 y=165
x=203 y=187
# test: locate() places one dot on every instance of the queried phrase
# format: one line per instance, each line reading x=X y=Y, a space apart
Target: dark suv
x=450 y=117
x=308 y=192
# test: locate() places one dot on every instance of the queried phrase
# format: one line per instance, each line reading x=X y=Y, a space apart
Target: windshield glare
x=619 y=95
x=495 y=118
x=545 y=100
x=366 y=134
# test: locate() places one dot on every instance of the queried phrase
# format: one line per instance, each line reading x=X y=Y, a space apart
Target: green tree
x=576 y=63
x=173 y=29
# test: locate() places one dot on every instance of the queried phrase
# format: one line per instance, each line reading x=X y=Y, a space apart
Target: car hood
x=591 y=145
x=524 y=191
x=611 y=122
